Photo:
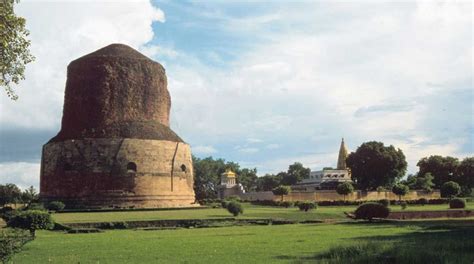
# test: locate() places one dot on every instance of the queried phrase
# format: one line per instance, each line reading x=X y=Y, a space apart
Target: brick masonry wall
x=93 y=172
x=331 y=195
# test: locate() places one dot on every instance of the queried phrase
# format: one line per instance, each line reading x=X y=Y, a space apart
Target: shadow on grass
x=444 y=242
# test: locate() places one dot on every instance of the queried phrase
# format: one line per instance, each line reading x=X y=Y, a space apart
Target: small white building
x=327 y=178
x=229 y=185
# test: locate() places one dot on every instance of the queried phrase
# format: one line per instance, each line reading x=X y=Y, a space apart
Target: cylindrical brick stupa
x=115 y=147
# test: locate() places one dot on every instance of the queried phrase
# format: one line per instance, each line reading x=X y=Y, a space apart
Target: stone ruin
x=115 y=147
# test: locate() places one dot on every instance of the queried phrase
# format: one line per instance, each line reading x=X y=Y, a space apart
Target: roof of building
x=229 y=173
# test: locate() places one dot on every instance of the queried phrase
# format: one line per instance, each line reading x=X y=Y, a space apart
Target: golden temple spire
x=341 y=160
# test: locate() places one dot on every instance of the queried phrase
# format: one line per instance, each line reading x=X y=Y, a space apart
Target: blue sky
x=264 y=83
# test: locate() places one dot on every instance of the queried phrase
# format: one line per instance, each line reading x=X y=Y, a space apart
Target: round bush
x=32 y=220
x=457 y=203
x=368 y=211
x=56 y=206
x=450 y=189
x=306 y=206
x=235 y=208
x=385 y=202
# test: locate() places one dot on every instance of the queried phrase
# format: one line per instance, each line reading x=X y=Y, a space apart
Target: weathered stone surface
x=116 y=92
x=115 y=147
x=96 y=172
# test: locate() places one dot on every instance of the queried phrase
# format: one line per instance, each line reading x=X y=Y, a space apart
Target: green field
x=250 y=211
x=408 y=242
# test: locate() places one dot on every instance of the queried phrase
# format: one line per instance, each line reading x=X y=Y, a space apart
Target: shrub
x=35 y=206
x=235 y=208
x=31 y=220
x=281 y=190
x=400 y=190
x=368 y=211
x=306 y=206
x=224 y=204
x=56 y=206
x=423 y=201
x=457 y=203
x=404 y=205
x=385 y=202
x=344 y=189
x=286 y=204
x=450 y=189
x=6 y=213
x=11 y=242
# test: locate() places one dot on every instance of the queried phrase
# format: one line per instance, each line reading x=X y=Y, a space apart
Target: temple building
x=328 y=178
x=229 y=185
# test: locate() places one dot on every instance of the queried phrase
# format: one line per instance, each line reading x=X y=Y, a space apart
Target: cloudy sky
x=264 y=84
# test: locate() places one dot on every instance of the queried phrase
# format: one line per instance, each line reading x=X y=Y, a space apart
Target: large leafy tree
x=296 y=172
x=374 y=164
x=465 y=174
x=15 y=52
x=415 y=182
x=248 y=178
x=268 y=182
x=9 y=193
x=207 y=176
x=443 y=169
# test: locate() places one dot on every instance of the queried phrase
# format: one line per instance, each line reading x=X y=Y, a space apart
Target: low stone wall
x=331 y=195
x=430 y=214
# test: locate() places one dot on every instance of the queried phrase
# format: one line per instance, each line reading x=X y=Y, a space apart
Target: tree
x=32 y=220
x=443 y=169
x=207 y=176
x=465 y=174
x=282 y=191
x=296 y=173
x=268 y=182
x=373 y=165
x=400 y=190
x=56 y=206
x=9 y=193
x=450 y=189
x=345 y=188
x=15 y=48
x=248 y=178
x=415 y=182
x=29 y=195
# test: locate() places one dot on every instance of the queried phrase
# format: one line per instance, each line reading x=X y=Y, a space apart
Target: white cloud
x=61 y=32
x=272 y=146
x=312 y=74
x=367 y=78
x=23 y=174
x=203 y=150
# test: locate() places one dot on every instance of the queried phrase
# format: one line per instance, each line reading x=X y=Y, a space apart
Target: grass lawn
x=250 y=211
x=407 y=242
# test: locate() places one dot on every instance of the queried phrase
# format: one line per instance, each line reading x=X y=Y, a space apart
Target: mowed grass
x=250 y=211
x=408 y=242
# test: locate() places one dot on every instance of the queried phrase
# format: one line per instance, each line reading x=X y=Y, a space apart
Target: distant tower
x=341 y=160
x=229 y=186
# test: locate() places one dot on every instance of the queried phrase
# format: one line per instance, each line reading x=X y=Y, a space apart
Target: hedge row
x=421 y=201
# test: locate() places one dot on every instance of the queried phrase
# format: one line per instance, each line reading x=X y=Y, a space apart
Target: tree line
x=374 y=167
